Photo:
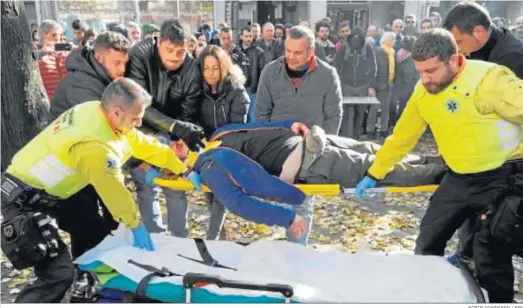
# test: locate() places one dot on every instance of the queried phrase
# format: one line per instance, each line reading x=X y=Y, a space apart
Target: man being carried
x=295 y=154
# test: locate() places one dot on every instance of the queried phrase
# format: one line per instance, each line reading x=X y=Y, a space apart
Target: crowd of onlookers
x=375 y=62
x=219 y=76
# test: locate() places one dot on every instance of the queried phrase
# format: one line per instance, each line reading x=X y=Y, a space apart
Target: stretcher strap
x=141 y=289
x=206 y=256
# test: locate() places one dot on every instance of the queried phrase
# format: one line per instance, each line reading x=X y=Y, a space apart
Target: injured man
x=295 y=154
x=244 y=162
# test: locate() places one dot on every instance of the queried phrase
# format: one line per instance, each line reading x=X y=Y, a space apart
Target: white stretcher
x=271 y=272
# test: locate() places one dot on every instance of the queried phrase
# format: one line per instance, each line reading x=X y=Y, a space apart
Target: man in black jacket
x=355 y=63
x=479 y=39
x=255 y=60
x=237 y=56
x=163 y=67
x=90 y=71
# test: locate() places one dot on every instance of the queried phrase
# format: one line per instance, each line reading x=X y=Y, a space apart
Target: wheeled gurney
x=195 y=270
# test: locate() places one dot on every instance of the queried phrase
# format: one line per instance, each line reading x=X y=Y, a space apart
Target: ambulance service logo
x=111 y=163
x=452 y=106
x=9 y=232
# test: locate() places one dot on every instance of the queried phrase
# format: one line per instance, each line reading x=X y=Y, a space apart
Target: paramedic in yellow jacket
x=475 y=111
x=84 y=149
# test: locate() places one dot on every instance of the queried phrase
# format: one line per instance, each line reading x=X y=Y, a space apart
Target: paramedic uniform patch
x=112 y=165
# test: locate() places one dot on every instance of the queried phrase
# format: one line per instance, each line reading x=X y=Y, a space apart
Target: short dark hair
x=344 y=24
x=79 y=25
x=435 y=43
x=288 y=25
x=408 y=42
x=206 y=27
x=119 y=28
x=426 y=20
x=111 y=40
x=124 y=93
x=465 y=16
x=226 y=29
x=246 y=28
x=321 y=24
x=279 y=26
x=173 y=31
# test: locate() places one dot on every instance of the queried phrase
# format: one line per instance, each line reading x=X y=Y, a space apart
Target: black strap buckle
x=141 y=289
x=206 y=256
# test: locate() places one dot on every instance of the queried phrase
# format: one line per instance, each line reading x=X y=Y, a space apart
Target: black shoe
x=83 y=287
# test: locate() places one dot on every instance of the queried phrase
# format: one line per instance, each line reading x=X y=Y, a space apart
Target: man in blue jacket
x=263 y=160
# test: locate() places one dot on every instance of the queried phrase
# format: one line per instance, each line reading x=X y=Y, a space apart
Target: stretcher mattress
x=316 y=277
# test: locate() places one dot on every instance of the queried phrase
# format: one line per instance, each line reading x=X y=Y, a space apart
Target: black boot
x=83 y=287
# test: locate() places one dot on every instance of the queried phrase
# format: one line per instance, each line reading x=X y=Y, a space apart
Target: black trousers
x=462 y=197
x=80 y=216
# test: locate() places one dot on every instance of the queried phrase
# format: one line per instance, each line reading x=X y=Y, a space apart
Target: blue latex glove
x=195 y=179
x=365 y=183
x=150 y=175
x=142 y=238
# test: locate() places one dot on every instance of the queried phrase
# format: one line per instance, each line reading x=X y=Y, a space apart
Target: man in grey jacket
x=299 y=86
x=303 y=88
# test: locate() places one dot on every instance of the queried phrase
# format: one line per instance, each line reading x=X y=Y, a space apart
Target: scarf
x=390 y=52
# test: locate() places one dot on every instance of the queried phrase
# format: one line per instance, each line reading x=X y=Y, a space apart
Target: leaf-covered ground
x=388 y=224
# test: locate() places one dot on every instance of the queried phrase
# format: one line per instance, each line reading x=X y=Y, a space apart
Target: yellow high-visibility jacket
x=81 y=148
x=476 y=121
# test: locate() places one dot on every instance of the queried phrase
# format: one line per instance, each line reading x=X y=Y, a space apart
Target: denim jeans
x=150 y=210
x=251 y=117
x=177 y=213
x=217 y=218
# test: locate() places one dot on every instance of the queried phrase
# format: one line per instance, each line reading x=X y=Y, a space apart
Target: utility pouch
x=506 y=226
x=29 y=238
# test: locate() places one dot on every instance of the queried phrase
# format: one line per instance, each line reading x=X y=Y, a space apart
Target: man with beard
x=163 y=67
x=356 y=66
x=90 y=71
x=475 y=111
x=479 y=39
x=343 y=33
x=324 y=50
x=255 y=60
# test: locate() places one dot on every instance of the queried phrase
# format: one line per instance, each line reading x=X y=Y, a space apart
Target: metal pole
x=137 y=10
x=178 y=9
x=38 y=13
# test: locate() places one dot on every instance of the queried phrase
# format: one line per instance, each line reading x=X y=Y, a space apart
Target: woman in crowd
x=224 y=101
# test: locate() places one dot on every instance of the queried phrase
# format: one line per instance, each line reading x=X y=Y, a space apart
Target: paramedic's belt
x=30 y=236
x=308 y=189
x=24 y=197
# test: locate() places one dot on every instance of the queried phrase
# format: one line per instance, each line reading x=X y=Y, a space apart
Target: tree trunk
x=25 y=106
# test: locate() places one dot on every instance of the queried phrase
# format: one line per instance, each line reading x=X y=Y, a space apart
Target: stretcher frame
x=309 y=189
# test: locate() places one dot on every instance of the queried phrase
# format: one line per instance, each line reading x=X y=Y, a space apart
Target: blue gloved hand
x=150 y=175
x=365 y=183
x=142 y=238
x=195 y=179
